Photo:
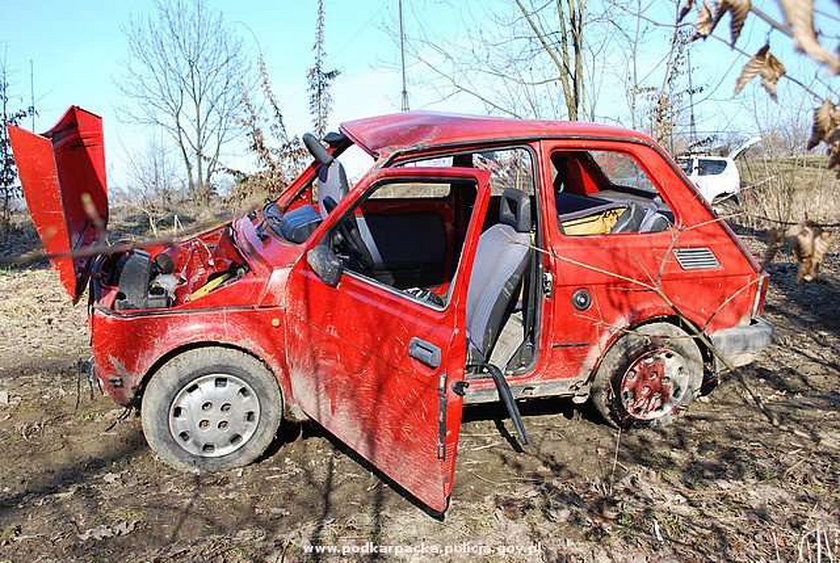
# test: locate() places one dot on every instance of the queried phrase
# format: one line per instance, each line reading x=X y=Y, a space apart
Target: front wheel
x=211 y=409
x=648 y=376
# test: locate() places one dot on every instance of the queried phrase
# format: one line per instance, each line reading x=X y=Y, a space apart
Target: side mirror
x=325 y=264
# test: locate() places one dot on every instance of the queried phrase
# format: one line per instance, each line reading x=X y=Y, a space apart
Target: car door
x=607 y=280
x=379 y=368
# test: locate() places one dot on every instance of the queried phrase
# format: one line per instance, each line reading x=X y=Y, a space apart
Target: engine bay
x=169 y=275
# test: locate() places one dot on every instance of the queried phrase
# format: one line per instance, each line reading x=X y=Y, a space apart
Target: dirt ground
x=78 y=482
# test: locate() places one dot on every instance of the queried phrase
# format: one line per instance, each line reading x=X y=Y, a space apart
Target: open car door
x=378 y=367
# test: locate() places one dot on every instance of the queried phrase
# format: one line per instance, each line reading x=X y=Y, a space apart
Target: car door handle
x=424 y=352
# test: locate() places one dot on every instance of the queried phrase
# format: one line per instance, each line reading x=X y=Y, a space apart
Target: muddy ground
x=78 y=482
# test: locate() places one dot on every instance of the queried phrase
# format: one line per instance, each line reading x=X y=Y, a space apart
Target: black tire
x=250 y=408
x=616 y=389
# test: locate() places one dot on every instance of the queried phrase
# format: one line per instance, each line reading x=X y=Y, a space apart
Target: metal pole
x=32 y=91
x=402 y=59
x=692 y=128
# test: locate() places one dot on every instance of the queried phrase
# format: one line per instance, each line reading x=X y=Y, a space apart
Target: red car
x=480 y=259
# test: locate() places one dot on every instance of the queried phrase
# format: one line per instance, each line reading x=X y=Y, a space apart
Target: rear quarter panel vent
x=701 y=258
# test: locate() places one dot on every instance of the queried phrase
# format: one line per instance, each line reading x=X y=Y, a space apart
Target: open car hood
x=742 y=148
x=62 y=173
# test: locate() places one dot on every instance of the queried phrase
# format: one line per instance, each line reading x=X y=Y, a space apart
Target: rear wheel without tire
x=211 y=409
x=648 y=376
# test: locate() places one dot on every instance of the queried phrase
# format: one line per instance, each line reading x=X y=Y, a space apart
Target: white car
x=715 y=176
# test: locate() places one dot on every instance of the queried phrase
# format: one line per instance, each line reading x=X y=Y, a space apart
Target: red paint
x=340 y=354
x=63 y=176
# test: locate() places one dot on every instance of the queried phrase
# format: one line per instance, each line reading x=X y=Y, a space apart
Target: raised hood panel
x=62 y=173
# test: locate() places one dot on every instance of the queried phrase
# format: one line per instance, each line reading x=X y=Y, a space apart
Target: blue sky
x=79 y=52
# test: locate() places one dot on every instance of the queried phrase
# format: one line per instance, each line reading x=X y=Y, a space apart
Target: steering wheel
x=357 y=250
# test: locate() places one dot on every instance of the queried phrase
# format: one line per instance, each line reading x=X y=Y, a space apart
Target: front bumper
x=740 y=344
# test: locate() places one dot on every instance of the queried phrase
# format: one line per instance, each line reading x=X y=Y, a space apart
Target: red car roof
x=388 y=133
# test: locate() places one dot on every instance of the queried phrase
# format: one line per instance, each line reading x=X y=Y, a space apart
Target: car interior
x=608 y=197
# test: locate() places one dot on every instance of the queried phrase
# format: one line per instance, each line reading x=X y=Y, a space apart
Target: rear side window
x=711 y=167
x=621 y=170
x=606 y=193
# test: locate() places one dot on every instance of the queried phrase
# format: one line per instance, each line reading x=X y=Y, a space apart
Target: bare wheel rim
x=214 y=415
x=654 y=384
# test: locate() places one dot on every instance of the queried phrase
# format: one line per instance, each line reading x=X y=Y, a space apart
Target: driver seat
x=501 y=260
x=332 y=185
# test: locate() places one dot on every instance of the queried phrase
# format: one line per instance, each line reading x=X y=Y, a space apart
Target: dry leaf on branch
x=685 y=9
x=834 y=152
x=775 y=237
x=738 y=11
x=800 y=18
x=826 y=128
x=826 y=120
x=707 y=20
x=763 y=64
x=810 y=244
x=705 y=24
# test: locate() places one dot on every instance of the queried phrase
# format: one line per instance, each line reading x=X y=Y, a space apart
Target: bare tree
x=184 y=73
x=279 y=156
x=152 y=177
x=533 y=59
x=562 y=44
x=9 y=188
x=319 y=78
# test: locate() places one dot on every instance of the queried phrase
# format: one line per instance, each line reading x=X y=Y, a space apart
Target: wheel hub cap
x=214 y=415
x=654 y=384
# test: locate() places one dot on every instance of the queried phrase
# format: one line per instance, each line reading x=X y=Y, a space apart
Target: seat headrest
x=515 y=210
x=332 y=183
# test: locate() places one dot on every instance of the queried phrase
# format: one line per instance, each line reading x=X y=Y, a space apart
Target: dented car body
x=480 y=259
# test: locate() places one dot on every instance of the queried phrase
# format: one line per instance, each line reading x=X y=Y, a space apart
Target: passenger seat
x=500 y=264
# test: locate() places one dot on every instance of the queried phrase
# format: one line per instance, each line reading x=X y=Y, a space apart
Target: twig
x=615 y=461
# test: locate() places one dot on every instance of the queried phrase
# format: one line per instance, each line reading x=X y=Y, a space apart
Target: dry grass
x=789 y=190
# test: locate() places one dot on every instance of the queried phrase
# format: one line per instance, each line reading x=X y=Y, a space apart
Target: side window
x=413 y=190
x=710 y=166
x=402 y=235
x=622 y=171
x=687 y=165
x=606 y=193
x=509 y=167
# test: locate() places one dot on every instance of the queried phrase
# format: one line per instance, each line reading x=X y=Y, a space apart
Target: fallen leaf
x=102 y=531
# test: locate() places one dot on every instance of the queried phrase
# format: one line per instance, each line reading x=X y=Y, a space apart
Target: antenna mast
x=402 y=58
x=692 y=127
x=32 y=92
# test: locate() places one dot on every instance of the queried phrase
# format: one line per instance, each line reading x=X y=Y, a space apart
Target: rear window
x=711 y=167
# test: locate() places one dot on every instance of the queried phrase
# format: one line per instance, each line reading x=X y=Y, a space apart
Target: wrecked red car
x=478 y=260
